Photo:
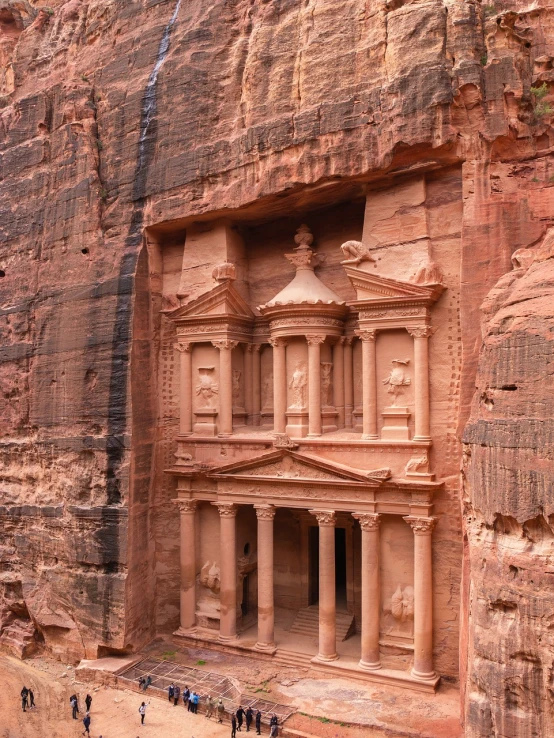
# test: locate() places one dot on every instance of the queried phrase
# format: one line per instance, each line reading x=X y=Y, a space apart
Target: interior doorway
x=340 y=566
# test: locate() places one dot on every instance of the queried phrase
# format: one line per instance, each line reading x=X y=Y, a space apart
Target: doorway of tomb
x=340 y=567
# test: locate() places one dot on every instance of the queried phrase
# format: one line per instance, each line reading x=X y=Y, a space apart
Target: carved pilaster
x=369 y=384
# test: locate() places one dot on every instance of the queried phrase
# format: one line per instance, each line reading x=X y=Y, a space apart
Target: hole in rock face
x=2 y=273
x=84 y=251
x=514 y=571
x=509 y=387
x=246 y=549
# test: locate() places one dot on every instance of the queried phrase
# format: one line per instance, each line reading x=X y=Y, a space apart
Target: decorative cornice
x=186 y=507
x=325 y=518
x=315 y=340
x=227 y=509
x=226 y=344
x=265 y=512
x=368 y=521
x=421 y=526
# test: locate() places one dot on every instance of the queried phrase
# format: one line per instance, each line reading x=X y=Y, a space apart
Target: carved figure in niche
x=326 y=382
x=209 y=577
x=397 y=379
x=402 y=603
x=267 y=392
x=418 y=464
x=236 y=386
x=355 y=252
x=206 y=389
x=299 y=384
x=224 y=272
x=303 y=238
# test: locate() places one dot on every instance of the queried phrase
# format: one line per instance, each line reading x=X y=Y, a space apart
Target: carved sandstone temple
x=308 y=486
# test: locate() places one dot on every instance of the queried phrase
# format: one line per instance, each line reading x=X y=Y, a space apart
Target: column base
x=324 y=658
x=265 y=648
x=184 y=632
x=369 y=665
x=313 y=435
x=424 y=677
x=224 y=435
x=227 y=639
x=369 y=437
x=422 y=438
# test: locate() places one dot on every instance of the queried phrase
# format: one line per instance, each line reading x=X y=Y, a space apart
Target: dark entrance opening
x=314 y=565
x=244 y=605
x=340 y=567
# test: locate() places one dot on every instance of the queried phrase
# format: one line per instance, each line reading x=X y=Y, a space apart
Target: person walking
x=274 y=726
x=24 y=697
x=220 y=710
x=259 y=723
x=142 y=712
x=31 y=698
x=171 y=691
x=86 y=723
x=74 y=705
x=234 y=727
x=240 y=716
x=249 y=715
x=88 y=702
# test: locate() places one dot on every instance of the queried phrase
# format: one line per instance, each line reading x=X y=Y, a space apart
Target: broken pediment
x=290 y=465
x=223 y=300
x=373 y=287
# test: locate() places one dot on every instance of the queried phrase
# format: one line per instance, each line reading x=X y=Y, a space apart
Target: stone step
x=306 y=623
x=293 y=659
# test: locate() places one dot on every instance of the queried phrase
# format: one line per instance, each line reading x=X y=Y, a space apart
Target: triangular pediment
x=221 y=300
x=292 y=466
x=371 y=286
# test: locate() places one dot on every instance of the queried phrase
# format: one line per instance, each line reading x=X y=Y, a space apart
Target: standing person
x=186 y=695
x=220 y=710
x=240 y=716
x=234 y=727
x=171 y=691
x=86 y=723
x=259 y=723
x=190 y=706
x=24 y=696
x=176 y=695
x=274 y=726
x=249 y=715
x=196 y=700
x=209 y=706
x=88 y=702
x=142 y=712
x=147 y=682
x=74 y=705
x=31 y=698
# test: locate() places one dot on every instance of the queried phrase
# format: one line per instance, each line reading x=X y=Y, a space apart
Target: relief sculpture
x=236 y=386
x=299 y=385
x=399 y=612
x=326 y=383
x=267 y=392
x=207 y=388
x=397 y=380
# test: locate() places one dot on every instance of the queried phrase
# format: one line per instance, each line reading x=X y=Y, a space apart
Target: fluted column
x=371 y=590
x=348 y=382
x=256 y=383
x=279 y=384
x=314 y=385
x=225 y=386
x=421 y=335
x=266 y=607
x=327 y=593
x=423 y=596
x=369 y=385
x=338 y=380
x=248 y=384
x=185 y=388
x=187 y=509
x=228 y=570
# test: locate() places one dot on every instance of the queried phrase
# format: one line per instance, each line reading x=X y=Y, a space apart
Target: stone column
x=371 y=590
x=423 y=597
x=185 y=388
x=225 y=386
x=256 y=383
x=348 y=382
x=338 y=380
x=314 y=385
x=266 y=608
x=421 y=335
x=279 y=384
x=369 y=385
x=228 y=571
x=187 y=510
x=248 y=383
x=327 y=594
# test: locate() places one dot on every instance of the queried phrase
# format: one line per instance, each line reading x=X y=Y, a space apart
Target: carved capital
x=367 y=336
x=186 y=507
x=315 y=340
x=347 y=340
x=421 y=526
x=256 y=347
x=227 y=509
x=368 y=521
x=325 y=518
x=421 y=331
x=248 y=347
x=278 y=342
x=265 y=512
x=183 y=347
x=225 y=345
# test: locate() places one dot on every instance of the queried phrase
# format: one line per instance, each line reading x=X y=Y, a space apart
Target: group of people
x=74 y=702
x=27 y=698
x=190 y=698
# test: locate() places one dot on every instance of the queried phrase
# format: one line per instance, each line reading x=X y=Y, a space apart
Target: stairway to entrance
x=306 y=623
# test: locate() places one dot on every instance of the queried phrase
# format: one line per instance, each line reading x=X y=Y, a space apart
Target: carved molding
x=226 y=344
x=421 y=526
x=421 y=331
x=295 y=321
x=227 y=509
x=325 y=518
x=183 y=347
x=368 y=521
x=315 y=340
x=265 y=512
x=186 y=507
x=368 y=336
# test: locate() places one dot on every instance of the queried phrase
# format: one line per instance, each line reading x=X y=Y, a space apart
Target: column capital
x=186 y=507
x=278 y=342
x=265 y=512
x=325 y=518
x=421 y=526
x=226 y=509
x=421 y=331
x=368 y=521
x=368 y=335
x=315 y=340
x=225 y=344
x=255 y=347
x=183 y=347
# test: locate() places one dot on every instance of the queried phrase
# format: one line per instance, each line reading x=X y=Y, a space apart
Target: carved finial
x=303 y=238
x=225 y=272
